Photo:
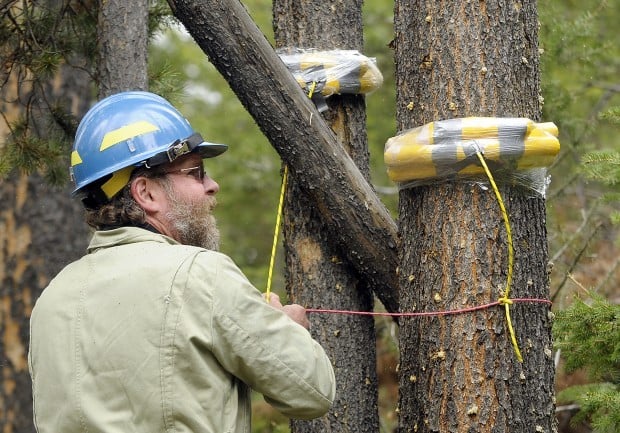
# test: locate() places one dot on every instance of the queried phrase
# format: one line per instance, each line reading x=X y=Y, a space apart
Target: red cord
x=427 y=313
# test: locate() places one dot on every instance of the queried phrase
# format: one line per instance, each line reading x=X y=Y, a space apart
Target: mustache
x=213 y=202
x=207 y=203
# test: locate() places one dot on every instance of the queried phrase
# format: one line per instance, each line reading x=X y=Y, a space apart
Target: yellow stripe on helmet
x=118 y=180
x=75 y=158
x=125 y=133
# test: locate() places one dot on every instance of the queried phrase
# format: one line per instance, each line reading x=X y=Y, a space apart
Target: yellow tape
x=118 y=180
x=445 y=148
x=338 y=71
x=125 y=133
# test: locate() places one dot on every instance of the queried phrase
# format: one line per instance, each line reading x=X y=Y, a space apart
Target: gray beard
x=194 y=223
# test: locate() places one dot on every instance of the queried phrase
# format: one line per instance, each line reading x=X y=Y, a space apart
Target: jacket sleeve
x=264 y=347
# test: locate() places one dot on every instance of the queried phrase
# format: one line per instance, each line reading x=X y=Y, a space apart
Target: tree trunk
x=357 y=220
x=41 y=230
x=122 y=36
x=318 y=273
x=459 y=373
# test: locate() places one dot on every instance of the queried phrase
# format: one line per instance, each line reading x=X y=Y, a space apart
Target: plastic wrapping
x=515 y=149
x=332 y=72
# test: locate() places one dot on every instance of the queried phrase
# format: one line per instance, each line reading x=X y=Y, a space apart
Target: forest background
x=581 y=84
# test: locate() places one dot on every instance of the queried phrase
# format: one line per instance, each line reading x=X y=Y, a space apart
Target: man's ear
x=147 y=193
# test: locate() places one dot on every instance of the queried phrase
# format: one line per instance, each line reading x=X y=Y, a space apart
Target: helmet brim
x=210 y=150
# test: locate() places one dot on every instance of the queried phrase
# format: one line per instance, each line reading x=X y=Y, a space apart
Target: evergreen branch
x=588 y=334
x=589 y=337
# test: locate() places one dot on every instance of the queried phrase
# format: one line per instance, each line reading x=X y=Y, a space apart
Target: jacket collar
x=125 y=235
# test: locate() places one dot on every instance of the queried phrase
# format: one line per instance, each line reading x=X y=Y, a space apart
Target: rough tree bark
x=122 y=40
x=318 y=275
x=459 y=373
x=41 y=230
x=358 y=221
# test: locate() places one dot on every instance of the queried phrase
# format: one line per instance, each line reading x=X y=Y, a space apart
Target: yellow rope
x=279 y=218
x=275 y=234
x=504 y=300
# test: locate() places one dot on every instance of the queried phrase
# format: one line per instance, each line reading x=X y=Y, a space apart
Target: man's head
x=136 y=161
x=176 y=199
x=179 y=202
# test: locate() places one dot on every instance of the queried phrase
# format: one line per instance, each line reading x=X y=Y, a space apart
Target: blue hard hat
x=128 y=130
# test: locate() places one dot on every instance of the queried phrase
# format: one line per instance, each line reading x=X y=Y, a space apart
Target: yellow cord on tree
x=279 y=217
x=275 y=234
x=504 y=300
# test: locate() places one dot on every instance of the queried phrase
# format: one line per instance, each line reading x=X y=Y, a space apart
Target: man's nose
x=211 y=186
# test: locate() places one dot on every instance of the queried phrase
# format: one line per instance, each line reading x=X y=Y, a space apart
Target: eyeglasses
x=197 y=172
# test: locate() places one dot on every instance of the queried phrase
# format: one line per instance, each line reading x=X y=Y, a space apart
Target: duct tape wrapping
x=332 y=72
x=517 y=150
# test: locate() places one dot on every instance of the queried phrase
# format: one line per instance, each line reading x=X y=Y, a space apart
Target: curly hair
x=122 y=210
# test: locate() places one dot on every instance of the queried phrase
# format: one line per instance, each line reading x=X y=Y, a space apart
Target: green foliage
x=160 y=17
x=613 y=114
x=603 y=166
x=580 y=59
x=165 y=80
x=27 y=152
x=38 y=39
x=579 y=62
x=600 y=402
x=378 y=24
x=588 y=335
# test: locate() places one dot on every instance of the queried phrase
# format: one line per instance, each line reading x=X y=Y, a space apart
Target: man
x=153 y=330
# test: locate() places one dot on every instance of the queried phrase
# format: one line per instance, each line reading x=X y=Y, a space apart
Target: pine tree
x=588 y=335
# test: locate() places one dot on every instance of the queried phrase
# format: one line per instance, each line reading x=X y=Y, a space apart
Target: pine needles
x=588 y=334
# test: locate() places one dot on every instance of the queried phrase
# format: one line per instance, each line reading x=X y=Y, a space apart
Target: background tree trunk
x=122 y=41
x=42 y=228
x=318 y=274
x=459 y=373
x=41 y=231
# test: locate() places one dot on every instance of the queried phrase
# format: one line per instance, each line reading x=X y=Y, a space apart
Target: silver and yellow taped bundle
x=333 y=72
x=447 y=149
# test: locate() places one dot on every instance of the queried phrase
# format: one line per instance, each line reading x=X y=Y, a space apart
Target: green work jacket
x=143 y=334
